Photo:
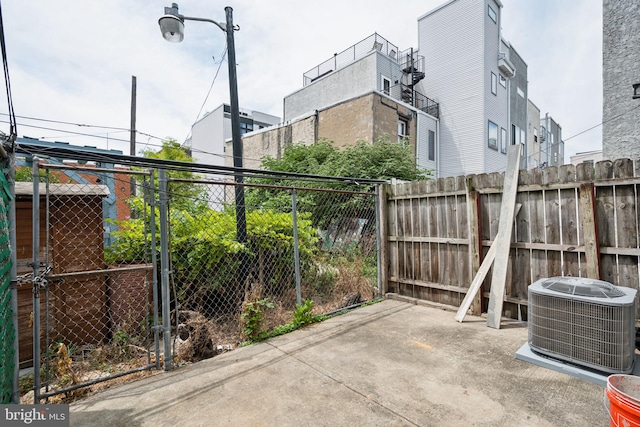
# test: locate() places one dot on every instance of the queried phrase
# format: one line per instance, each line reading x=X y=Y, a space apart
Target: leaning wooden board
x=503 y=239
x=479 y=278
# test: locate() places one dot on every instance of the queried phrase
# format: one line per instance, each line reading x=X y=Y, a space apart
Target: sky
x=72 y=61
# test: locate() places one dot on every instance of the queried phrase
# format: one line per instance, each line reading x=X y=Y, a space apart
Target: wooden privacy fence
x=574 y=221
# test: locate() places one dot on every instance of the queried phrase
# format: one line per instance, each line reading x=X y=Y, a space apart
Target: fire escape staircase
x=413 y=67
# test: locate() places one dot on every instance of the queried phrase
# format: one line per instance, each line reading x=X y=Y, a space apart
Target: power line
x=13 y=125
x=67 y=123
x=70 y=131
x=82 y=125
x=606 y=121
x=119 y=139
x=547 y=150
x=69 y=152
x=209 y=92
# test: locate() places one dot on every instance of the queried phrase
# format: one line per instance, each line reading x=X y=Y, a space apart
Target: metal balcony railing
x=419 y=100
x=353 y=53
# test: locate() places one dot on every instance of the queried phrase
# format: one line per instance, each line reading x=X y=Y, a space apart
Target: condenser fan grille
x=583 y=330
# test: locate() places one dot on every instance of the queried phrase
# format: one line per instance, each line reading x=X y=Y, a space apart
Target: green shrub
x=302 y=315
x=252 y=318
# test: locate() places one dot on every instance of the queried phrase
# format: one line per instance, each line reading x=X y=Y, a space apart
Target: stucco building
x=620 y=70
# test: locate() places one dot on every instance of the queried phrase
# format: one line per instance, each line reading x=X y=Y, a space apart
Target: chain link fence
x=7 y=334
x=143 y=269
x=94 y=300
x=303 y=245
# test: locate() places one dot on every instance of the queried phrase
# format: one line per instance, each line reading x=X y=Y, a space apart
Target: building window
x=515 y=135
x=493 y=135
x=402 y=130
x=523 y=136
x=494 y=84
x=492 y=14
x=535 y=163
x=535 y=134
x=503 y=140
x=386 y=85
x=432 y=145
x=245 y=127
x=503 y=81
x=520 y=93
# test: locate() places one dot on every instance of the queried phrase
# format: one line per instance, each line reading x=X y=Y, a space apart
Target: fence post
x=164 y=266
x=35 y=264
x=15 y=396
x=475 y=247
x=381 y=239
x=296 y=248
x=150 y=194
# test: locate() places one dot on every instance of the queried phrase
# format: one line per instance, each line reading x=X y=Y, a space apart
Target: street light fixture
x=172 y=28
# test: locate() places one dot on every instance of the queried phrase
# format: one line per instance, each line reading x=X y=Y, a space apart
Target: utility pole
x=132 y=135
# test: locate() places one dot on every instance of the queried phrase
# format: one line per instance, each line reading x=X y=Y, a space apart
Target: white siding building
x=208 y=135
x=336 y=89
x=467 y=68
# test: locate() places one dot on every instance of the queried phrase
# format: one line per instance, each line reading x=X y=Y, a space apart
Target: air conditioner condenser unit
x=586 y=322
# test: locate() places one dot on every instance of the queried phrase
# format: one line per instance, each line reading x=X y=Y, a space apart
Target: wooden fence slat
x=590 y=230
x=605 y=218
x=452 y=226
x=569 y=232
x=521 y=277
x=434 y=247
x=626 y=224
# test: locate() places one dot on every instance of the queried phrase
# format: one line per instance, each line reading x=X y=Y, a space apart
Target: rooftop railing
x=347 y=56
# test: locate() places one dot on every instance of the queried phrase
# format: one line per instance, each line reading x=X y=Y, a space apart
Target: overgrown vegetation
x=25 y=174
x=381 y=160
x=253 y=318
x=70 y=364
x=205 y=253
x=336 y=242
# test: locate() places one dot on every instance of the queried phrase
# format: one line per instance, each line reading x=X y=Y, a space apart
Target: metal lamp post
x=172 y=28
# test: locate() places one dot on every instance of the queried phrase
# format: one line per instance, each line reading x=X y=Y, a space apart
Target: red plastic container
x=623 y=392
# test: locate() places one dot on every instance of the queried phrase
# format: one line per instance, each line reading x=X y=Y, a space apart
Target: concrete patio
x=389 y=364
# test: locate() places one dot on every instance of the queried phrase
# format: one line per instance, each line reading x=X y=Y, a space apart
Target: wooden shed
x=74 y=232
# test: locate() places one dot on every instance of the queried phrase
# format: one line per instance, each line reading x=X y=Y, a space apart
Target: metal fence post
x=35 y=264
x=15 y=396
x=164 y=266
x=154 y=261
x=296 y=248
x=378 y=240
